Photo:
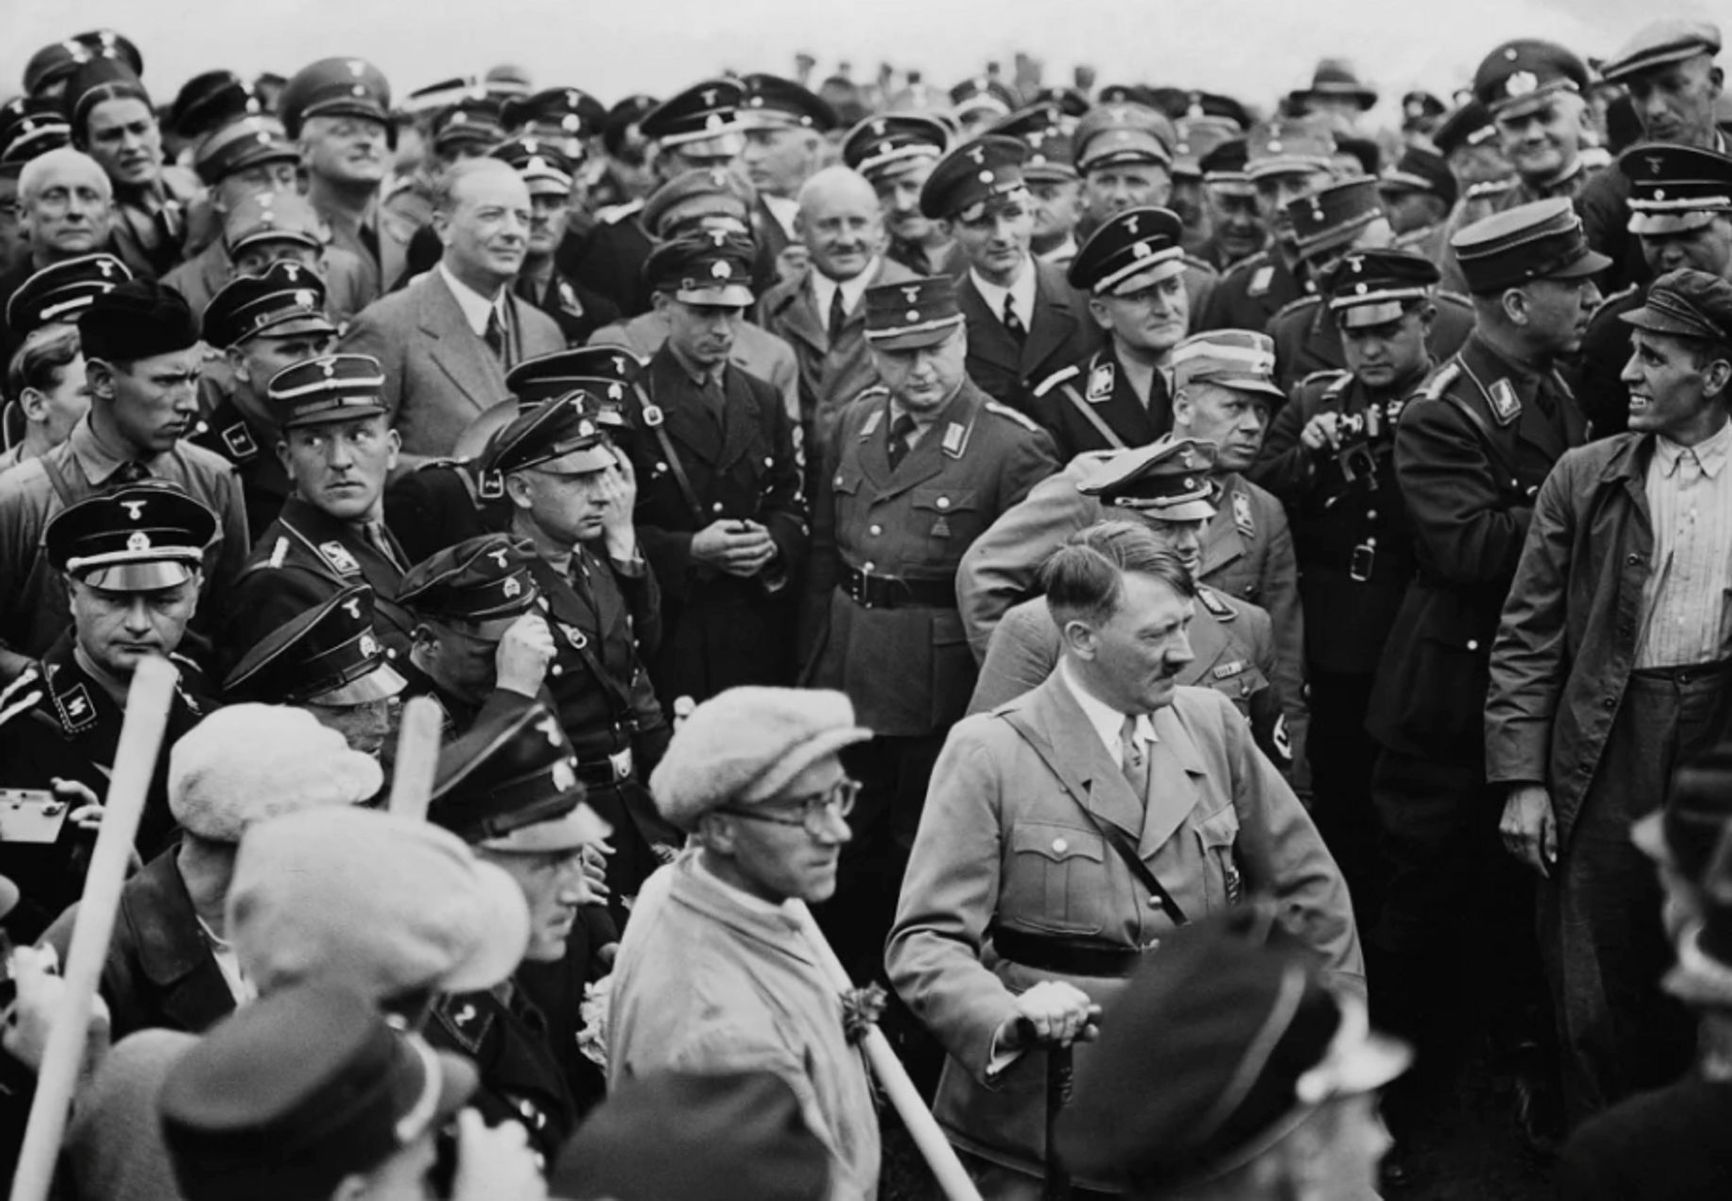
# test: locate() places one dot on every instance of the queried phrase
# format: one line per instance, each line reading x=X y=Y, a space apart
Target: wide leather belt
x=1066 y=956
x=872 y=591
x=603 y=773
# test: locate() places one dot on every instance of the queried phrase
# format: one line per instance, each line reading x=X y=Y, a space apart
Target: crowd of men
x=1171 y=583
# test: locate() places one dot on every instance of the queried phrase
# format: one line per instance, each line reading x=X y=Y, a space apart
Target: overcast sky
x=1256 y=49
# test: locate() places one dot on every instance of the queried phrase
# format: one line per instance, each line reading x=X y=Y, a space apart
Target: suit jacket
x=1061 y=332
x=1100 y=385
x=907 y=669
x=211 y=270
x=160 y=971
x=1004 y=844
x=830 y=376
x=756 y=352
x=1472 y=448
x=380 y=246
x=439 y=374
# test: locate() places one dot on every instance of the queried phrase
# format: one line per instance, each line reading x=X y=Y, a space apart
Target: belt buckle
x=621 y=763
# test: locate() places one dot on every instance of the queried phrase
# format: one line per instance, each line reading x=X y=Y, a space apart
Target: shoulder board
x=466 y=1019
x=1620 y=295
x=1331 y=381
x=21 y=694
x=399 y=185
x=1452 y=297
x=1056 y=378
x=1022 y=419
x=1439 y=382
x=1215 y=603
x=238 y=440
x=279 y=552
x=614 y=214
x=1249 y=264
x=1491 y=187
x=1294 y=306
x=1200 y=264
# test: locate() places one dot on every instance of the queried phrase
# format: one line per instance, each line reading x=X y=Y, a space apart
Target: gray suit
x=439 y=374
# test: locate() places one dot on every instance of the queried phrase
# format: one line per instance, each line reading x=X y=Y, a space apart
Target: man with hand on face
x=1023 y=320
x=64 y=198
x=713 y=973
x=821 y=313
x=1181 y=817
x=446 y=341
x=129 y=564
x=140 y=347
x=1133 y=269
x=264 y=324
x=720 y=505
x=509 y=788
x=917 y=470
x=1667 y=69
x=1609 y=671
x=896 y=152
x=337 y=451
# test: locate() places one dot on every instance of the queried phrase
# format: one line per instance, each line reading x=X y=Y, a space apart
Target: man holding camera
x=1329 y=458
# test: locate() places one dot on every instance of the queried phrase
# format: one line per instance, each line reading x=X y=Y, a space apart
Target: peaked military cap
x=483 y=580
x=1660 y=44
x=982 y=92
x=1236 y=1020
x=623 y=128
x=971 y=174
x=603 y=371
x=1167 y=479
x=565 y=435
x=1468 y=125
x=61 y=291
x=136 y=539
x=1419 y=108
x=332 y=387
x=703 y=119
x=208 y=101
x=510 y=784
x=1072 y=102
x=1334 y=79
x=242 y=143
x=1675 y=188
x=285 y=299
x=1225 y=167
x=1688 y=304
x=1684 y=832
x=1374 y=287
x=1421 y=170
x=769 y=101
x=1229 y=358
x=327 y=655
x=30 y=127
x=1131 y=250
x=1288 y=146
x=912 y=314
x=1518 y=76
x=1123 y=133
x=1196 y=137
x=1541 y=240
x=296 y=1091
x=573 y=111
x=101 y=79
x=1040 y=127
x=712 y=267
x=337 y=87
x=53 y=63
x=700 y=192
x=272 y=217
x=469 y=122
x=136 y=319
x=881 y=145
x=536 y=159
x=1333 y=216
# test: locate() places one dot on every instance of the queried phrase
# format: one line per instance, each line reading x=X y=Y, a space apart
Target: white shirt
x=476 y=307
x=1107 y=721
x=1689 y=491
x=1021 y=293
x=823 y=288
x=782 y=209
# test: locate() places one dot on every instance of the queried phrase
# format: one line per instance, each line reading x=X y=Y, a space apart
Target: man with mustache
x=896 y=153
x=1069 y=882
x=1609 y=671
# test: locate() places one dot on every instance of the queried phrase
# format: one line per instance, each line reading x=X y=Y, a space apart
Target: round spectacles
x=814 y=810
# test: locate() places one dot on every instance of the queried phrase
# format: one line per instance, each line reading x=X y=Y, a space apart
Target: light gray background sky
x=1255 y=49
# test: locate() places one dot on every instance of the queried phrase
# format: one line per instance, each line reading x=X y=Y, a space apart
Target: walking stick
x=940 y=1156
x=417 y=759
x=141 y=734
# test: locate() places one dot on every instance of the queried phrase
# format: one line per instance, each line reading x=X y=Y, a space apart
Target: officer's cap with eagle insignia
x=573 y=111
x=713 y=267
x=1334 y=216
x=564 y=436
x=702 y=121
x=61 y=291
x=537 y=160
x=1041 y=127
x=987 y=168
x=1289 y=146
x=1168 y=479
x=884 y=146
x=284 y=300
x=332 y=387
x=912 y=314
x=136 y=539
x=29 y=128
x=51 y=65
x=704 y=194
x=327 y=655
x=1123 y=134
x=1519 y=77
x=771 y=102
x=605 y=372
x=248 y=142
x=510 y=784
x=1541 y=240
x=481 y=583
x=272 y=217
x=1131 y=250
x=1673 y=188
x=1375 y=287
x=337 y=87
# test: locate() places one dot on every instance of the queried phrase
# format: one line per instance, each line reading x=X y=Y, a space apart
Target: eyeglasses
x=815 y=810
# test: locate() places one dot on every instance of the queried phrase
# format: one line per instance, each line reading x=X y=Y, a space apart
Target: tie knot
x=902 y=426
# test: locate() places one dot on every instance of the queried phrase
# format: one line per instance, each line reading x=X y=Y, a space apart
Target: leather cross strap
x=654 y=420
x=1087 y=410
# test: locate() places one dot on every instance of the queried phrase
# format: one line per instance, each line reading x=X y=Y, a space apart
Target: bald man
x=65 y=203
x=820 y=312
x=446 y=341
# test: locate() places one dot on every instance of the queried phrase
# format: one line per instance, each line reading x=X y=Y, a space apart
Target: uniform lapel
x=796 y=315
x=927 y=457
x=685 y=412
x=462 y=356
x=1125 y=412
x=739 y=414
x=874 y=454
x=1221 y=541
x=1076 y=745
x=1053 y=324
x=1175 y=764
x=1209 y=645
x=987 y=337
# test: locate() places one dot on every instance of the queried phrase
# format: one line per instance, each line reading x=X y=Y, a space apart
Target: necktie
x=131 y=472
x=898 y=446
x=1133 y=761
x=1012 y=322
x=838 y=316
x=495 y=335
x=375 y=532
x=715 y=399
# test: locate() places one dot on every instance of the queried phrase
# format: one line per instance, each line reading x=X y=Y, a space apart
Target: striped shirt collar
x=1711 y=453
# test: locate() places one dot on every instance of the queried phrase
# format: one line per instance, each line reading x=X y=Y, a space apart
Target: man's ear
x=1715 y=378
x=1079 y=638
x=34 y=402
x=1514 y=303
x=1098 y=310
x=237 y=363
x=660 y=300
x=1184 y=408
x=947 y=227
x=99 y=374
x=517 y=489
x=285 y=460
x=718 y=832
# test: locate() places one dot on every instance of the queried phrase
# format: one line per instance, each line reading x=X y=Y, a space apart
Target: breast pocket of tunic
x=1218 y=838
x=949 y=519
x=1056 y=879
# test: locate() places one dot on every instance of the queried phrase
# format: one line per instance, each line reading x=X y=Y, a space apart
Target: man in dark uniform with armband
x=1329 y=458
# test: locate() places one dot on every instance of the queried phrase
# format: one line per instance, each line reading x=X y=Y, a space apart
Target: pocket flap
x=1057 y=843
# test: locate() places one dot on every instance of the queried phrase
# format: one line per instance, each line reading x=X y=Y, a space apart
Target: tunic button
x=1154 y=902
x=769 y=461
x=1634 y=560
x=1371 y=514
x=1611 y=702
x=1060 y=845
x=717 y=507
x=875 y=530
x=868 y=567
x=943 y=502
x=1473 y=644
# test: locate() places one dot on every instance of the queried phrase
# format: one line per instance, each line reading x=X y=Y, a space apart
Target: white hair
x=37 y=171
